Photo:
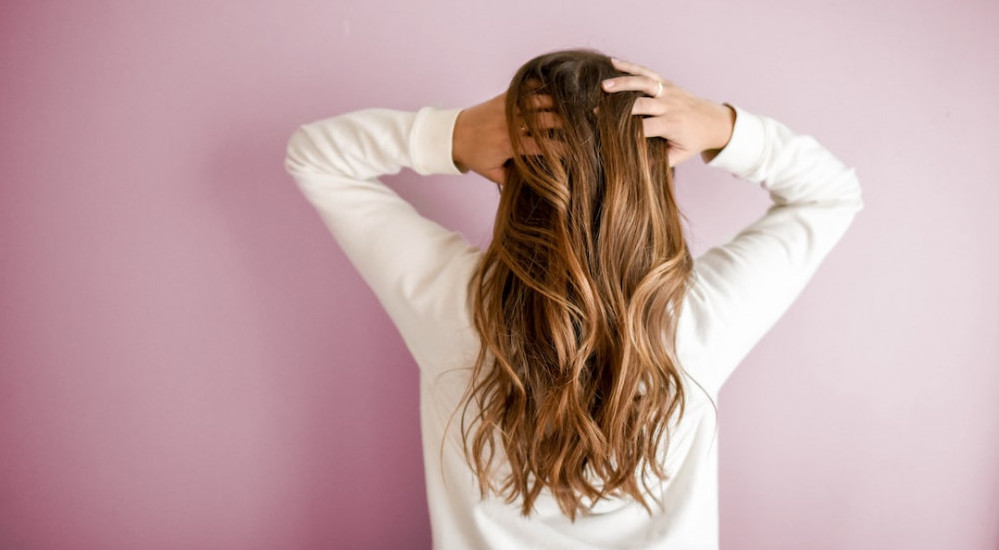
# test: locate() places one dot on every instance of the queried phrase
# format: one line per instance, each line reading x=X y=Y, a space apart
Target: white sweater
x=419 y=270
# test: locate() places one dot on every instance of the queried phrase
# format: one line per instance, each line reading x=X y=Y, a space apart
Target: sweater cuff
x=744 y=151
x=431 y=142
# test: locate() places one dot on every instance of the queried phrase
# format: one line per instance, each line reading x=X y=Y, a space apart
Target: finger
x=654 y=127
x=539 y=120
x=648 y=106
x=640 y=83
x=540 y=108
x=546 y=120
x=530 y=147
x=641 y=71
x=634 y=68
x=648 y=128
x=540 y=101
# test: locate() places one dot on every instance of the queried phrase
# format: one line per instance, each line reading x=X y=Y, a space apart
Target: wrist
x=723 y=124
x=458 y=143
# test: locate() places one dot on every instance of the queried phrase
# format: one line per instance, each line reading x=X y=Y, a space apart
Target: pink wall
x=187 y=360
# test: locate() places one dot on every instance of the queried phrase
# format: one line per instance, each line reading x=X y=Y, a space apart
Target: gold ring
x=660 y=88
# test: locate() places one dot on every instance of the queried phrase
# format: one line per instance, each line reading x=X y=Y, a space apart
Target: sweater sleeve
x=741 y=288
x=412 y=264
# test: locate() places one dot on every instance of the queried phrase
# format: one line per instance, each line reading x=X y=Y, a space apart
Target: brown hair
x=576 y=297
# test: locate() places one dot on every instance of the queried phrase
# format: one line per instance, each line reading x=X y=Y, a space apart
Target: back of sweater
x=419 y=270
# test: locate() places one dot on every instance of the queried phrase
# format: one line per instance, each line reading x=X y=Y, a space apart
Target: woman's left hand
x=481 y=140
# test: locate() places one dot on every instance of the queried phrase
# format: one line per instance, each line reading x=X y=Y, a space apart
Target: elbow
x=858 y=192
x=299 y=153
x=851 y=195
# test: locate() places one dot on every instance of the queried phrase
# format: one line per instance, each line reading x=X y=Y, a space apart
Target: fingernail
x=608 y=83
x=615 y=60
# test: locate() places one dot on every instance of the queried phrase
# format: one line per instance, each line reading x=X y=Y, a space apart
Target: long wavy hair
x=577 y=295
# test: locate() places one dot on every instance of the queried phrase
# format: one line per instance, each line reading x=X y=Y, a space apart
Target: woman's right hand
x=690 y=125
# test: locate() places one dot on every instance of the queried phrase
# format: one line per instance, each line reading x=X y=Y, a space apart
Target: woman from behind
x=581 y=348
x=577 y=296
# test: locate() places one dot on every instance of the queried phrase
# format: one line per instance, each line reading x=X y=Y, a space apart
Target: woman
x=584 y=349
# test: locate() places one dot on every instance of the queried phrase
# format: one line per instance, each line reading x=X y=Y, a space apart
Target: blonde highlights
x=576 y=298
